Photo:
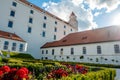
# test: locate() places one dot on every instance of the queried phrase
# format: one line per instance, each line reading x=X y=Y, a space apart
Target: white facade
x=22 y=14
x=11 y=47
x=107 y=55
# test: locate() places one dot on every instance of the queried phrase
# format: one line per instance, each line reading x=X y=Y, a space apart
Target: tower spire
x=73 y=20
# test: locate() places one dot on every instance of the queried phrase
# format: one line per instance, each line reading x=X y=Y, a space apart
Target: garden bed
x=61 y=71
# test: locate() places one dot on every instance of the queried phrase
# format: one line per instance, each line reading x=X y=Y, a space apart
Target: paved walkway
x=117 y=74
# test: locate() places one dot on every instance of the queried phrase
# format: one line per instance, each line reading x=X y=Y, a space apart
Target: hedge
x=106 y=74
x=18 y=55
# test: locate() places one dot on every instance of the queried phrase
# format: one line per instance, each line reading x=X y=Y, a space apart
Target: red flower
x=5 y=69
x=25 y=69
x=21 y=73
x=1 y=73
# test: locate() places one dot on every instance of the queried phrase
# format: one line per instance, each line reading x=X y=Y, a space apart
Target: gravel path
x=117 y=74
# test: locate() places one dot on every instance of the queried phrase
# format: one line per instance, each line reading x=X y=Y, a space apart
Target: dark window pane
x=30 y=20
x=6 y=43
x=54 y=37
x=44 y=25
x=12 y=13
x=14 y=46
x=31 y=11
x=116 y=48
x=14 y=4
x=29 y=29
x=21 y=47
x=43 y=34
x=52 y=51
x=99 y=49
x=10 y=24
x=45 y=17
x=84 y=50
x=55 y=29
x=72 y=51
x=55 y=22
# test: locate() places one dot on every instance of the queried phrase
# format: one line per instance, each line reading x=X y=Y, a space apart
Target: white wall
x=20 y=26
x=2 y=40
x=106 y=47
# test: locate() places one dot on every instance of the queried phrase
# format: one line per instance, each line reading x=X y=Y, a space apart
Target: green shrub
x=106 y=74
x=0 y=59
x=18 y=55
x=5 y=60
x=14 y=61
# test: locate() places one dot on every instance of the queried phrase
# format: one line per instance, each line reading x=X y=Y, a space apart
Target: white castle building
x=32 y=24
x=46 y=36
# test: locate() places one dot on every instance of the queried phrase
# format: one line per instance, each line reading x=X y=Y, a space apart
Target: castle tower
x=73 y=20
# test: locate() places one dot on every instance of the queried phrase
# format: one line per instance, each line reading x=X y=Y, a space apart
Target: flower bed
x=53 y=71
x=7 y=73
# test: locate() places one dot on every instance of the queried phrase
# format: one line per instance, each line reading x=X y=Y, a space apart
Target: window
x=43 y=34
x=44 y=25
x=12 y=13
x=21 y=47
x=31 y=12
x=116 y=48
x=84 y=50
x=45 y=17
x=55 y=29
x=67 y=57
x=14 y=46
x=99 y=49
x=6 y=43
x=42 y=51
x=64 y=32
x=14 y=4
x=54 y=37
x=29 y=29
x=64 y=26
x=61 y=51
x=55 y=22
x=46 y=58
x=10 y=24
x=72 y=51
x=46 y=51
x=30 y=20
x=53 y=51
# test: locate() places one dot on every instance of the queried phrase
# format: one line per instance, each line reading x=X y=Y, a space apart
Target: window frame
x=43 y=34
x=99 y=51
x=14 y=4
x=14 y=46
x=84 y=50
x=29 y=29
x=30 y=20
x=53 y=51
x=72 y=51
x=10 y=24
x=31 y=12
x=21 y=47
x=116 y=48
x=12 y=13
x=6 y=45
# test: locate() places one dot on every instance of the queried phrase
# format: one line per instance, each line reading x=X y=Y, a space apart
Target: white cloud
x=97 y=13
x=64 y=8
x=85 y=16
x=109 y=5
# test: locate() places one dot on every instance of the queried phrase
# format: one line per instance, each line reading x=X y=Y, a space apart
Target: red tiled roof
x=39 y=9
x=106 y=34
x=11 y=36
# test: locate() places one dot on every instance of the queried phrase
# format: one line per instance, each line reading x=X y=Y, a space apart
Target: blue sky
x=90 y=13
